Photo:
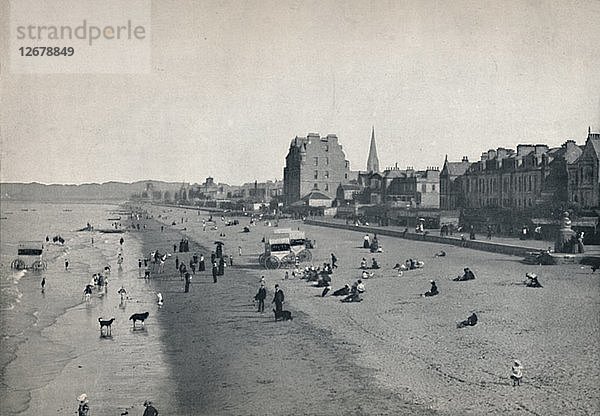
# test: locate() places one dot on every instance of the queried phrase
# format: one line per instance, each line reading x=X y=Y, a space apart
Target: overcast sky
x=233 y=82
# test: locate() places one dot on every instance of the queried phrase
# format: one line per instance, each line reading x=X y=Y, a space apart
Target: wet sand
x=117 y=373
x=393 y=348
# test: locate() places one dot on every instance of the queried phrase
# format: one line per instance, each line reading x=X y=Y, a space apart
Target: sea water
x=28 y=359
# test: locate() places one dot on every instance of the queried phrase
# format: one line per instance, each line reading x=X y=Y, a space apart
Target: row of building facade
x=317 y=174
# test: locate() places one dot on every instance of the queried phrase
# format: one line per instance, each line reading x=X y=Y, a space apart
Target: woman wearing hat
x=84 y=408
x=150 y=410
x=433 y=291
x=516 y=373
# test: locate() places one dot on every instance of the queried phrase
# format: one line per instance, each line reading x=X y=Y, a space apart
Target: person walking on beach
x=140 y=264
x=187 y=282
x=84 y=407
x=201 y=264
x=260 y=297
x=43 y=283
x=176 y=262
x=333 y=261
x=221 y=266
x=66 y=264
x=150 y=409
x=122 y=292
x=278 y=299
x=215 y=271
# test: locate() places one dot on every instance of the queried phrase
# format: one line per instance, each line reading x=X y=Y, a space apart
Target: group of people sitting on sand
x=353 y=293
x=410 y=264
x=374 y=264
x=467 y=275
x=314 y=274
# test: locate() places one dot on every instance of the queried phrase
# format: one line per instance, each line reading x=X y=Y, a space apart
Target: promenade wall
x=474 y=244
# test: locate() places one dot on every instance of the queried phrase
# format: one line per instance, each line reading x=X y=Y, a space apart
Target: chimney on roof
x=465 y=159
x=523 y=149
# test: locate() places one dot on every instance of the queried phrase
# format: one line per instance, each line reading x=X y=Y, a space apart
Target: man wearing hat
x=150 y=410
x=278 y=299
x=84 y=408
x=261 y=296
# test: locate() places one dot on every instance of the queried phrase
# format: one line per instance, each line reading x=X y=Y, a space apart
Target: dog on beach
x=283 y=315
x=139 y=317
x=106 y=324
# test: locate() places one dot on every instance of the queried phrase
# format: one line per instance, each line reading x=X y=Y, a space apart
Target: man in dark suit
x=260 y=297
x=215 y=271
x=278 y=299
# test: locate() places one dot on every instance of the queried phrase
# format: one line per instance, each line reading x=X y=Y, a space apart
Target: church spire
x=372 y=160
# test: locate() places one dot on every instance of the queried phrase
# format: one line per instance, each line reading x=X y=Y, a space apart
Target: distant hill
x=108 y=191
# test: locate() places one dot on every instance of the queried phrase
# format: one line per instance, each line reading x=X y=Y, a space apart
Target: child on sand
x=516 y=373
x=84 y=407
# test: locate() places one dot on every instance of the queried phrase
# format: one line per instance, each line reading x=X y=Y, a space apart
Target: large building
x=314 y=163
x=411 y=188
x=583 y=186
x=257 y=191
x=529 y=177
x=451 y=176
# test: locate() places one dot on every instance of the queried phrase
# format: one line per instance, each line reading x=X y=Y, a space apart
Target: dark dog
x=107 y=324
x=283 y=315
x=139 y=317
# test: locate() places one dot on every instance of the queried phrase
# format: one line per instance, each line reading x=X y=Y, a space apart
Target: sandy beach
x=209 y=352
x=395 y=352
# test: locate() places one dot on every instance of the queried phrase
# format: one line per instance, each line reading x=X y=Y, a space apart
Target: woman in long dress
x=201 y=264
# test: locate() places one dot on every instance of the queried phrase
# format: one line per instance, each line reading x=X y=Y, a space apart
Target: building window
x=345 y=176
x=327 y=187
x=327 y=161
x=326 y=174
x=316 y=161
x=316 y=186
x=433 y=187
x=327 y=148
x=316 y=174
x=424 y=188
